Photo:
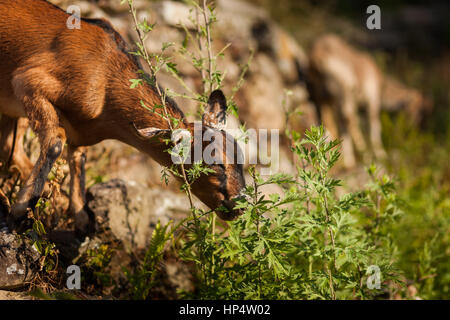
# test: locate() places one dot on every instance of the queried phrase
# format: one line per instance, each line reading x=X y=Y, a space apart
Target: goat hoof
x=84 y=223
x=4 y=212
x=18 y=220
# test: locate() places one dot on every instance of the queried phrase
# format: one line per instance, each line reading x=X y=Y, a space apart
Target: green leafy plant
x=143 y=279
x=307 y=243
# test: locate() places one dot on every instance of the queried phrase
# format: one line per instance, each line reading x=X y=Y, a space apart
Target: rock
x=235 y=19
x=117 y=7
x=286 y=52
x=261 y=103
x=241 y=8
x=179 y=275
x=164 y=35
x=18 y=261
x=176 y=14
x=10 y=295
x=126 y=214
x=131 y=210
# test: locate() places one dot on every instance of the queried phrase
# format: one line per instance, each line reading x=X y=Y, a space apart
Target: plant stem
x=255 y=200
x=200 y=46
x=330 y=280
x=208 y=45
x=325 y=203
x=146 y=57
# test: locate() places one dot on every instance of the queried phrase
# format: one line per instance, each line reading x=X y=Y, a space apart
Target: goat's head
x=220 y=188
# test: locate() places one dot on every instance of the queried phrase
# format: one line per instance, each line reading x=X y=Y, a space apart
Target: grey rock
x=131 y=210
x=10 y=295
x=175 y=13
x=18 y=261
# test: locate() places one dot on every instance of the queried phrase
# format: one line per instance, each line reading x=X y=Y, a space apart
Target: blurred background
x=412 y=45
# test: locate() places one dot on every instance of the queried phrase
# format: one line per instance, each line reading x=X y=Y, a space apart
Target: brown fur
x=73 y=86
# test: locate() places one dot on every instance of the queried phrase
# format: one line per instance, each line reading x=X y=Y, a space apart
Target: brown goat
x=73 y=85
x=341 y=79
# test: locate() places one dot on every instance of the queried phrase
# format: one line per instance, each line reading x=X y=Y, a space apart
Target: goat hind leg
x=44 y=121
x=329 y=120
x=375 y=132
x=333 y=125
x=18 y=157
x=351 y=119
x=84 y=219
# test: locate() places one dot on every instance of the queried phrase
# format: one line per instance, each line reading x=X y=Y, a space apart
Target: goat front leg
x=330 y=120
x=17 y=158
x=44 y=120
x=375 y=131
x=333 y=124
x=84 y=220
x=351 y=119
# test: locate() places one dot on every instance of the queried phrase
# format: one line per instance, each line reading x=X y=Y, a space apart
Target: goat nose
x=229 y=213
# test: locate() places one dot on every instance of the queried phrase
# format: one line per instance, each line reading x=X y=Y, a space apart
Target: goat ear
x=215 y=115
x=151 y=132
